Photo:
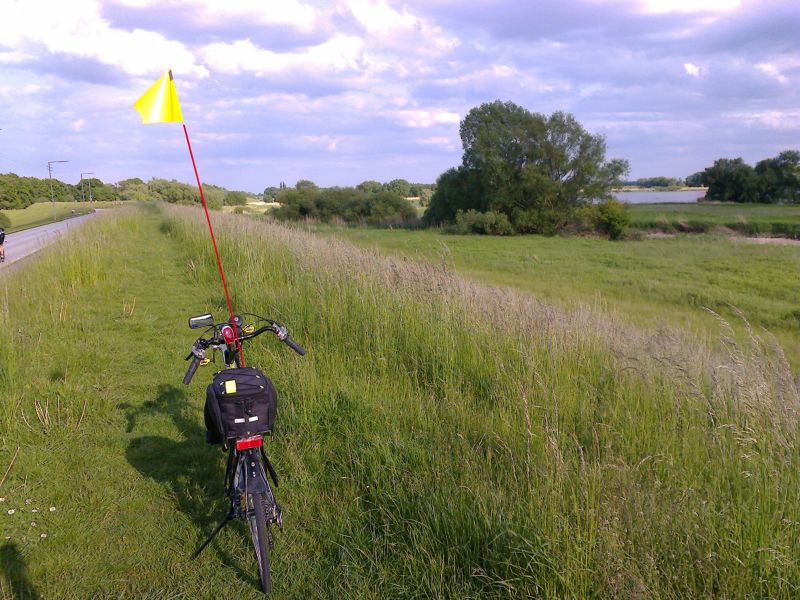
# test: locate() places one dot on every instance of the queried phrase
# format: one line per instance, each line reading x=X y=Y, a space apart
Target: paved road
x=21 y=244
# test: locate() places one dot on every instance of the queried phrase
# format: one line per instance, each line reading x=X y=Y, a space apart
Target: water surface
x=658 y=197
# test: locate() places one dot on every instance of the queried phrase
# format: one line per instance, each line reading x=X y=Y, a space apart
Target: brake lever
x=198 y=349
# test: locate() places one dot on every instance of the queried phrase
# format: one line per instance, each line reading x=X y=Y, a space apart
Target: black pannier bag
x=240 y=403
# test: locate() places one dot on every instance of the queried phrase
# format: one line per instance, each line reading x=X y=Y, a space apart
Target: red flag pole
x=216 y=250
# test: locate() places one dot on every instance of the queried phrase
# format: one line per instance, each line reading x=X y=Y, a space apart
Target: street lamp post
x=50 y=171
x=83 y=198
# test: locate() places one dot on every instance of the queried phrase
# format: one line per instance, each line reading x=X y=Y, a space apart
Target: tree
x=270 y=193
x=534 y=168
x=235 y=199
x=457 y=190
x=370 y=186
x=346 y=204
x=305 y=184
x=731 y=180
x=695 y=179
x=399 y=186
x=779 y=177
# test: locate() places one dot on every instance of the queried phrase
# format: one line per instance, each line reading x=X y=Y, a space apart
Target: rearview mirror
x=201 y=321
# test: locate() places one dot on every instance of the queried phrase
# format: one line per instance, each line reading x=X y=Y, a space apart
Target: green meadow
x=442 y=438
x=41 y=213
x=747 y=219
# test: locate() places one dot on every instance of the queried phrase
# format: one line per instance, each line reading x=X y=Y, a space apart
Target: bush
x=545 y=221
x=613 y=218
x=235 y=199
x=349 y=205
x=5 y=222
x=484 y=223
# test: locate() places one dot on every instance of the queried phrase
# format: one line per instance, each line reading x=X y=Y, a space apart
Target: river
x=682 y=196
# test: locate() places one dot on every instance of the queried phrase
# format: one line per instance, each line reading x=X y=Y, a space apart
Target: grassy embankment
x=747 y=219
x=41 y=213
x=651 y=282
x=440 y=439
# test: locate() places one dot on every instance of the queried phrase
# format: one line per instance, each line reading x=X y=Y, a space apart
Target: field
x=441 y=439
x=747 y=219
x=41 y=213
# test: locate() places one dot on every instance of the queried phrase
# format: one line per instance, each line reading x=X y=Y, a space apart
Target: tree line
x=772 y=180
x=370 y=203
x=21 y=192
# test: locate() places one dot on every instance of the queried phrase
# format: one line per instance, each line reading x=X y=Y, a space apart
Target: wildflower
x=52 y=509
x=11 y=511
x=2 y=499
x=27 y=501
x=33 y=523
x=34 y=510
x=44 y=535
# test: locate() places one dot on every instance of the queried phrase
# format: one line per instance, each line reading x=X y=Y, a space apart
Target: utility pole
x=50 y=171
x=83 y=198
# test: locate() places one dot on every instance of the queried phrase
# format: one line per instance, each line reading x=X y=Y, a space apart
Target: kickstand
x=214 y=533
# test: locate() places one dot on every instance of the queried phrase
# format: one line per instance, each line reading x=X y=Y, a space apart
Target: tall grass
x=453 y=440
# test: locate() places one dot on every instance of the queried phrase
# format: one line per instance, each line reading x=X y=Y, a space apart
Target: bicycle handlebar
x=198 y=352
x=294 y=346
x=190 y=373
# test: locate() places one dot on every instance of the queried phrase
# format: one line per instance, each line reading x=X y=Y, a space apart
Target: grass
x=651 y=282
x=41 y=213
x=440 y=438
x=748 y=219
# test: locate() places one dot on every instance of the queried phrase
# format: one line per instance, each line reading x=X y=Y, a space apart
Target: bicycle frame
x=245 y=482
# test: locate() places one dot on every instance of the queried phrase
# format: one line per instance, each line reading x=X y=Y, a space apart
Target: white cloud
x=76 y=29
x=340 y=53
x=290 y=13
x=677 y=6
x=772 y=70
x=401 y=30
x=30 y=89
x=446 y=143
x=379 y=18
x=692 y=69
x=427 y=118
x=78 y=125
x=775 y=119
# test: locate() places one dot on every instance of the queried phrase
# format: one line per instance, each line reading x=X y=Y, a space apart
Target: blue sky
x=343 y=91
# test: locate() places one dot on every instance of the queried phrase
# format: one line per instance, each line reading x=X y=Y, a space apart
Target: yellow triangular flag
x=160 y=103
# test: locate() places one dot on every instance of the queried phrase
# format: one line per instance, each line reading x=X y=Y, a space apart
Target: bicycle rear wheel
x=259 y=529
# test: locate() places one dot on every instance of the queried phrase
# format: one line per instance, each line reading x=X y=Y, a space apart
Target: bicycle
x=249 y=414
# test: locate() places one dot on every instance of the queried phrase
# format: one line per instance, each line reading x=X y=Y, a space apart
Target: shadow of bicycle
x=192 y=468
x=15 y=571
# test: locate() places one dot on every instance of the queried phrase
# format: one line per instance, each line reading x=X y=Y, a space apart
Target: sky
x=344 y=91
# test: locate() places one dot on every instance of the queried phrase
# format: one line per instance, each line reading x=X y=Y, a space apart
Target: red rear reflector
x=251 y=442
x=227 y=334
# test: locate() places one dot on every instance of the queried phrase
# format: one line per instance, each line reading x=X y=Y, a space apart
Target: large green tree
x=534 y=168
x=779 y=177
x=732 y=180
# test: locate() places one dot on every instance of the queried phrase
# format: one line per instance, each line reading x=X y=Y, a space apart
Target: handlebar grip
x=294 y=346
x=190 y=372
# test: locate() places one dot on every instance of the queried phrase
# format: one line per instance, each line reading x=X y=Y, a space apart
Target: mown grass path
x=133 y=484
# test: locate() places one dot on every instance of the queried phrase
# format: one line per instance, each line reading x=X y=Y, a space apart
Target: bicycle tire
x=259 y=529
